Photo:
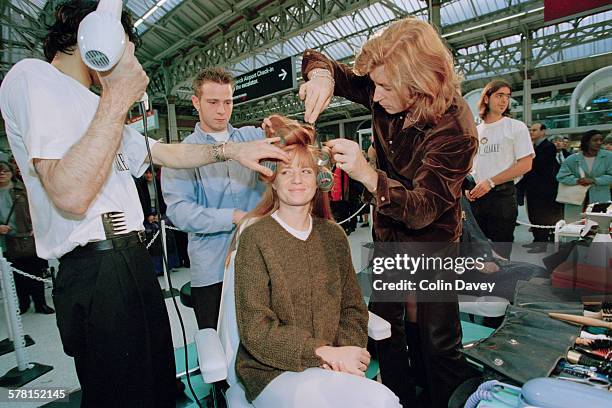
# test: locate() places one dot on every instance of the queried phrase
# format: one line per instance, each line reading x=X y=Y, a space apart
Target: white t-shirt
x=219 y=136
x=46 y=112
x=589 y=161
x=301 y=235
x=500 y=145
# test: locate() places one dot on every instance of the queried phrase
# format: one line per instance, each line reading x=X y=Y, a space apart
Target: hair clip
x=323 y=159
x=325 y=180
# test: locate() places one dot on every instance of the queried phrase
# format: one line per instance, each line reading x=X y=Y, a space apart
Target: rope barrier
x=38 y=278
x=27 y=275
x=535 y=226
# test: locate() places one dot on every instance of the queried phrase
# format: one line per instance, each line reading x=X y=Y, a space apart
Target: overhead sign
x=152 y=122
x=265 y=81
x=554 y=9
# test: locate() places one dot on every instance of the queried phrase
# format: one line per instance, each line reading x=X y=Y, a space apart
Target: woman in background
x=16 y=233
x=592 y=166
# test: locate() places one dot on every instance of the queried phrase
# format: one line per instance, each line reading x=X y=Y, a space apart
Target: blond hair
x=418 y=63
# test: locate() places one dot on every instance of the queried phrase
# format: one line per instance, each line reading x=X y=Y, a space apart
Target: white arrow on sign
x=283 y=74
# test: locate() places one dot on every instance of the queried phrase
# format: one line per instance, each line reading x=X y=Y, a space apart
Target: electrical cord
x=143 y=111
x=485 y=392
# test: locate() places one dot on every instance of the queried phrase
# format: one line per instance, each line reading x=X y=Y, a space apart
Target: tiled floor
x=48 y=350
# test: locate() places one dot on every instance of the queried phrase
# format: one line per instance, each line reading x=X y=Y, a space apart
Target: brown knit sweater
x=292 y=297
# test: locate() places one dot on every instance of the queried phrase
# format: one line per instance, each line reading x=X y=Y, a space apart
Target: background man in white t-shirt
x=505 y=153
x=207 y=202
x=77 y=159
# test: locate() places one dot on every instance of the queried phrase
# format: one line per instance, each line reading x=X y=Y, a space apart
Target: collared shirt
x=537 y=142
x=421 y=167
x=560 y=157
x=201 y=202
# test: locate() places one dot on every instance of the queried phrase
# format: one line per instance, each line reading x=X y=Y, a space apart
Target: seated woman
x=300 y=313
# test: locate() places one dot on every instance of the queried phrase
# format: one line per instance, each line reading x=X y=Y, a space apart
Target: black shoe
x=538 y=248
x=44 y=309
x=531 y=245
x=365 y=224
x=22 y=310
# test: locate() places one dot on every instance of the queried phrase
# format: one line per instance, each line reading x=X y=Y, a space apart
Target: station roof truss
x=180 y=37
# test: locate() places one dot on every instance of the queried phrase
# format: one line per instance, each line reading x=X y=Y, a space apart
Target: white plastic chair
x=485 y=306
x=217 y=348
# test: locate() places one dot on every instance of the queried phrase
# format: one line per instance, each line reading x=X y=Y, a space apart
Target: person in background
x=592 y=167
x=540 y=186
x=561 y=151
x=608 y=142
x=17 y=241
x=505 y=154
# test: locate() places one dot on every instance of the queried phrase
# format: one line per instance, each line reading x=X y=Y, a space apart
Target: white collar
x=301 y=235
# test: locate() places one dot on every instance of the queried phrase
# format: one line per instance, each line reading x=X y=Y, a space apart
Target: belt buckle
x=141 y=236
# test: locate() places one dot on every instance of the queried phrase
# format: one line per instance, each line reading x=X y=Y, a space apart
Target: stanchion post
x=25 y=371
x=5 y=296
x=14 y=318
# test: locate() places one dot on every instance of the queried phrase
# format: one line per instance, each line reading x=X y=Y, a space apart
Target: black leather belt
x=118 y=242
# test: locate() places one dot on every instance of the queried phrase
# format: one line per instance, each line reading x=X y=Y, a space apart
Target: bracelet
x=223 y=151
x=321 y=73
x=218 y=152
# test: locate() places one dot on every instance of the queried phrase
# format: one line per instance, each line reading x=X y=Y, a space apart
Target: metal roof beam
x=250 y=37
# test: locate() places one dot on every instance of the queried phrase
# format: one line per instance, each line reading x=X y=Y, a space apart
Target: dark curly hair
x=585 y=140
x=62 y=34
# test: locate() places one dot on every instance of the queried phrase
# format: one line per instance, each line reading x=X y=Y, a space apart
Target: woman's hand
x=5 y=229
x=348 y=359
x=585 y=181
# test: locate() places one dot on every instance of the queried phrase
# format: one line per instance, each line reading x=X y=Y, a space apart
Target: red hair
x=297 y=140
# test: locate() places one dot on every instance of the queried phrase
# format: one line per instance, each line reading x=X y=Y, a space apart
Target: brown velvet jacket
x=420 y=168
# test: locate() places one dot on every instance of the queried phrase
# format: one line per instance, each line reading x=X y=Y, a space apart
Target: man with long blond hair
x=425 y=139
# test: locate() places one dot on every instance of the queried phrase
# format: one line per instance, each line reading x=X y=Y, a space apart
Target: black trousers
x=543 y=211
x=112 y=319
x=206 y=304
x=29 y=288
x=442 y=367
x=496 y=214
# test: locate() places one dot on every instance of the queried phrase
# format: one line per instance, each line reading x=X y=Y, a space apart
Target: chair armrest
x=211 y=357
x=486 y=306
x=378 y=328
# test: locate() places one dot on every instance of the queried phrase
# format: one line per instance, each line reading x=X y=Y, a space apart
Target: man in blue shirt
x=207 y=202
